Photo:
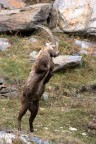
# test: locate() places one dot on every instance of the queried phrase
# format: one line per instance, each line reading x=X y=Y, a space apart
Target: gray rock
x=10 y=4
x=25 y=18
x=1 y=81
x=73 y=16
x=86 y=47
x=10 y=138
x=66 y=61
x=11 y=92
x=85 y=52
x=8 y=90
x=4 y=44
x=45 y=96
x=84 y=44
x=33 y=40
x=57 y=29
x=33 y=55
x=14 y=94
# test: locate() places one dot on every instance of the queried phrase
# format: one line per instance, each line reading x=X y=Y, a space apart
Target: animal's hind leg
x=34 y=106
x=21 y=114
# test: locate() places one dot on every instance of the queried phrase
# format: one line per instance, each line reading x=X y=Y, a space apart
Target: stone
x=11 y=4
x=30 y=2
x=4 y=44
x=72 y=129
x=10 y=138
x=84 y=44
x=24 y=19
x=33 y=55
x=1 y=81
x=45 y=96
x=32 y=40
x=12 y=95
x=84 y=134
x=72 y=16
x=86 y=47
x=2 y=86
x=66 y=61
x=10 y=92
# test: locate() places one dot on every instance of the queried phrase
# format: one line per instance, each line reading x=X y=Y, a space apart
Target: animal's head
x=52 y=49
x=53 y=45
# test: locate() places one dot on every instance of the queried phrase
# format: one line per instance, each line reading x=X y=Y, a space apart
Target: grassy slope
x=64 y=107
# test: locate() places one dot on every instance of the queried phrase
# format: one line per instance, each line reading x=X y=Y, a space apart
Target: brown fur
x=34 y=87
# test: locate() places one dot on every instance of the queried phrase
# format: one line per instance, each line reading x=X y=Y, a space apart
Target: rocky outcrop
x=25 y=18
x=73 y=16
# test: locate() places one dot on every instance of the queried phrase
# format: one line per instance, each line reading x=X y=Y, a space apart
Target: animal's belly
x=34 y=94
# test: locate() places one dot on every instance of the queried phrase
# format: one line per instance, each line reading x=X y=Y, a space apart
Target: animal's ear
x=48 y=44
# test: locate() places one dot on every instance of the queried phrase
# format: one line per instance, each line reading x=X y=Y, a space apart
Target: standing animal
x=40 y=74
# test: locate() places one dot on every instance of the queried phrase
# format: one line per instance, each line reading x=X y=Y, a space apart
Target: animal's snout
x=57 y=53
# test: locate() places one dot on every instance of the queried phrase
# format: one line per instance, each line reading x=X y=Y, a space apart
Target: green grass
x=65 y=107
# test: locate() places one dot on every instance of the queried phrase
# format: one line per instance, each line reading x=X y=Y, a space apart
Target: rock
x=32 y=40
x=84 y=44
x=45 y=96
x=11 y=4
x=14 y=94
x=86 y=47
x=2 y=87
x=24 y=18
x=10 y=138
x=6 y=137
x=73 y=16
x=30 y=2
x=57 y=30
x=4 y=44
x=1 y=81
x=84 y=134
x=11 y=92
x=72 y=129
x=33 y=55
x=66 y=61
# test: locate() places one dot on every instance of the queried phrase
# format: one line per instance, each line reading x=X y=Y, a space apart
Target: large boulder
x=75 y=16
x=25 y=18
